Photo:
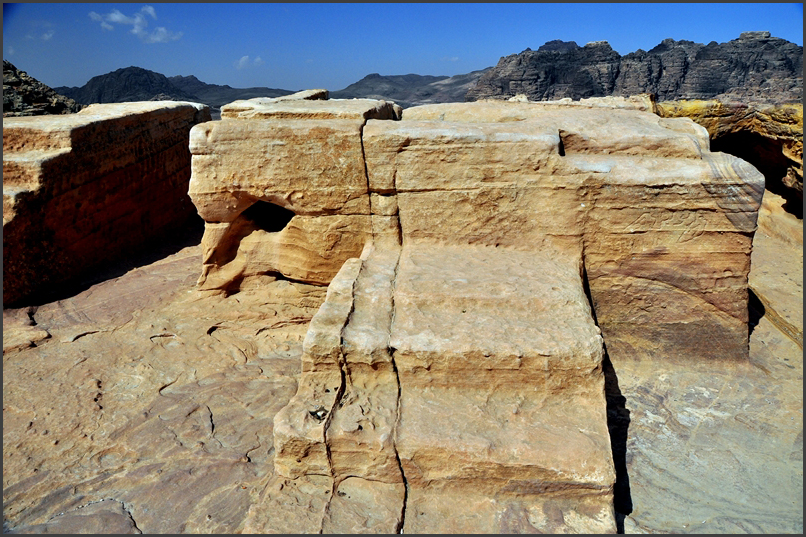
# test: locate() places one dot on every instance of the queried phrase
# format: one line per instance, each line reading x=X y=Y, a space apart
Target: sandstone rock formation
x=292 y=200
x=755 y=67
x=83 y=189
x=768 y=136
x=144 y=405
x=478 y=227
x=24 y=95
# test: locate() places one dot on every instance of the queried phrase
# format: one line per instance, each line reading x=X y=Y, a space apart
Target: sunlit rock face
x=83 y=189
x=457 y=358
x=303 y=161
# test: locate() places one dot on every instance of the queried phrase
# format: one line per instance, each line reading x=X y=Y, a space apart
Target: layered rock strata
x=84 y=189
x=755 y=67
x=768 y=136
x=282 y=188
x=456 y=359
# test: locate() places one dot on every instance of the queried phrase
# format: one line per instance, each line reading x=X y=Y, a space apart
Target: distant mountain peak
x=557 y=45
x=755 y=67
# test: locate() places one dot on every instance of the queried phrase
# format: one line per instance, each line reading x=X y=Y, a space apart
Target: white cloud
x=47 y=35
x=139 y=24
x=150 y=11
x=450 y=59
x=10 y=51
x=245 y=62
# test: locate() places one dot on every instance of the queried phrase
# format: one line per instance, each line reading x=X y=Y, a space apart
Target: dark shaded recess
x=755 y=310
x=618 y=424
x=160 y=245
x=767 y=156
x=268 y=216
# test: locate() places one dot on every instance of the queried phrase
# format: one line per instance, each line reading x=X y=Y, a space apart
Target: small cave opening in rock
x=767 y=156
x=268 y=216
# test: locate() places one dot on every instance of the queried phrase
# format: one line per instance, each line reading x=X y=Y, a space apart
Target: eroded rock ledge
x=83 y=189
x=456 y=360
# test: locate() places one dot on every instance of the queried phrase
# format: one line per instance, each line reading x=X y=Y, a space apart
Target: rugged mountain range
x=127 y=84
x=24 y=95
x=409 y=90
x=217 y=96
x=753 y=68
x=138 y=84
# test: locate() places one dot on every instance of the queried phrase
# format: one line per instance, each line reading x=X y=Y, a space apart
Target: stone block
x=84 y=189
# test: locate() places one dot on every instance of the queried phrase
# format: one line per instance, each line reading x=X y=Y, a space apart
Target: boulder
x=488 y=224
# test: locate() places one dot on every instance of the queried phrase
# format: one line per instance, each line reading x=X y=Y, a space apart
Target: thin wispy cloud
x=38 y=25
x=139 y=24
x=245 y=62
x=10 y=51
x=450 y=59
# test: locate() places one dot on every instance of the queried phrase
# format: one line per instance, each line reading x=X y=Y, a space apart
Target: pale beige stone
x=310 y=249
x=583 y=130
x=301 y=427
x=363 y=506
x=84 y=189
x=462 y=509
x=498 y=317
x=310 y=167
x=776 y=275
x=291 y=506
x=285 y=109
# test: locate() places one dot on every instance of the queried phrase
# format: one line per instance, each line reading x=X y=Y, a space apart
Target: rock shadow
x=767 y=156
x=161 y=245
x=618 y=424
x=755 y=310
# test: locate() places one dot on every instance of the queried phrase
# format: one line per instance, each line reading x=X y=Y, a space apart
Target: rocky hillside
x=753 y=68
x=409 y=90
x=124 y=85
x=138 y=84
x=24 y=95
x=216 y=96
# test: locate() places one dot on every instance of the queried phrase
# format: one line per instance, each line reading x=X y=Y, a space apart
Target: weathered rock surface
x=453 y=378
x=716 y=449
x=755 y=67
x=519 y=200
x=768 y=136
x=150 y=407
x=293 y=199
x=86 y=188
x=777 y=272
x=688 y=209
x=24 y=95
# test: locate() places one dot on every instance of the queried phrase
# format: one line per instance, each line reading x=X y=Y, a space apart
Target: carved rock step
x=496 y=385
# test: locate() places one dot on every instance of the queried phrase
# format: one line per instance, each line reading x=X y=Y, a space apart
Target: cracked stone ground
x=147 y=407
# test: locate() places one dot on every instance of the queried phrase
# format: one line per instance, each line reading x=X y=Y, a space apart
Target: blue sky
x=298 y=46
